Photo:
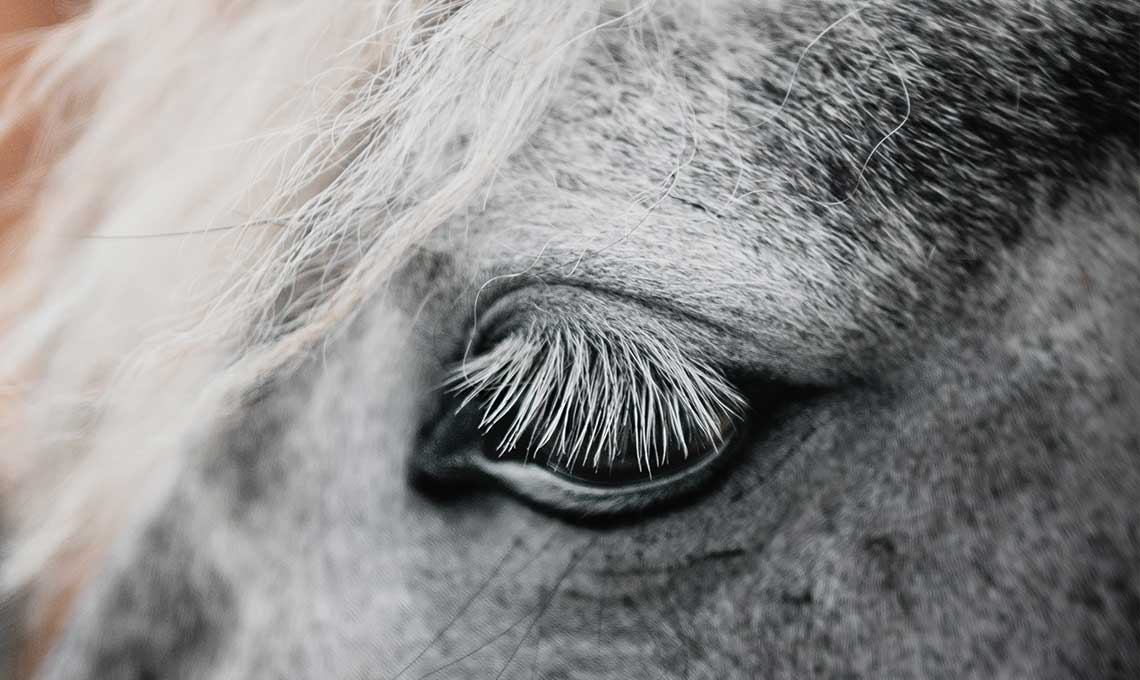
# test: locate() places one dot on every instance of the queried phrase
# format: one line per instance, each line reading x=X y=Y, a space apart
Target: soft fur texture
x=925 y=215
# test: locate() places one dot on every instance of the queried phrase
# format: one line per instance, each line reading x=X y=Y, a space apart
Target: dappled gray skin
x=943 y=479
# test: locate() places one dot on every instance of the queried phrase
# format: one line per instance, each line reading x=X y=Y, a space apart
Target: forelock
x=242 y=147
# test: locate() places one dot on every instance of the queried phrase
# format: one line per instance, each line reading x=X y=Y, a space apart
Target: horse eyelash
x=588 y=395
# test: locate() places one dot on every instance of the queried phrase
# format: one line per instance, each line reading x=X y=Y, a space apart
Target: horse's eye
x=594 y=421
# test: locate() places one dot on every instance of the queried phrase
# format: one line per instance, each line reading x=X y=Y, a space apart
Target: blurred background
x=18 y=18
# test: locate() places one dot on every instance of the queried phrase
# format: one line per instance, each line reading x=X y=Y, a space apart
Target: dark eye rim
x=537 y=475
x=456 y=461
x=453 y=461
x=444 y=470
x=571 y=499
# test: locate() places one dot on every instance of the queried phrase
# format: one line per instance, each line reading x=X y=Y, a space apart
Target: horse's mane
x=199 y=159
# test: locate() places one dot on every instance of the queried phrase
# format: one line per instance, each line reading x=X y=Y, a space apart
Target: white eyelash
x=588 y=394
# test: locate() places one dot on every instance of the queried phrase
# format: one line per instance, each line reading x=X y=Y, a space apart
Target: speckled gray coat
x=919 y=240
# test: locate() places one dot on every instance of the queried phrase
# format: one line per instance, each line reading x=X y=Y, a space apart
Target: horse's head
x=774 y=340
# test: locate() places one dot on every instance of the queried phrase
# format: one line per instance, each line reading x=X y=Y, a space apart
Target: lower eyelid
x=536 y=483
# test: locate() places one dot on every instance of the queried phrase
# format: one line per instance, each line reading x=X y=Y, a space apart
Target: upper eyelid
x=496 y=312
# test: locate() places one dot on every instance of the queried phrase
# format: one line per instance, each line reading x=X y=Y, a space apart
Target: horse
x=408 y=339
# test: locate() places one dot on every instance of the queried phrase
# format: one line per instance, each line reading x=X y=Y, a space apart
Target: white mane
x=201 y=157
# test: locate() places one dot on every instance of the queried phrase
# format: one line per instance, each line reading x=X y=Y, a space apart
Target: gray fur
x=959 y=497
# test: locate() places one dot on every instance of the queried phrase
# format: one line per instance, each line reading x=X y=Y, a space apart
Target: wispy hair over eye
x=226 y=185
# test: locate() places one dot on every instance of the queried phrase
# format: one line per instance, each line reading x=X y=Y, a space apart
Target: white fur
x=203 y=156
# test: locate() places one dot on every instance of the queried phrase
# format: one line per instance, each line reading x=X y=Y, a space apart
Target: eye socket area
x=591 y=419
